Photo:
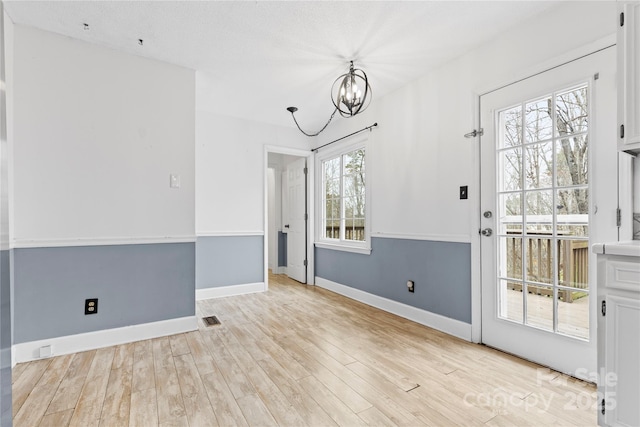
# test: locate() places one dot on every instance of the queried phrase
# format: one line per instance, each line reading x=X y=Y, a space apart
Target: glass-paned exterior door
x=542 y=155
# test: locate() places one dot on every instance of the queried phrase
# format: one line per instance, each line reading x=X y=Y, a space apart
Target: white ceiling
x=258 y=57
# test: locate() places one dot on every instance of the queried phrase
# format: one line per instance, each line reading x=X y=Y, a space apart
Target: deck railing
x=351 y=233
x=573 y=264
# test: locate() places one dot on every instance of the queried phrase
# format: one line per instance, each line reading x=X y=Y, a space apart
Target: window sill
x=365 y=250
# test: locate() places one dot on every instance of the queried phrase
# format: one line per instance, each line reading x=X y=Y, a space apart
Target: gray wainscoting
x=229 y=260
x=135 y=284
x=5 y=338
x=441 y=272
x=282 y=249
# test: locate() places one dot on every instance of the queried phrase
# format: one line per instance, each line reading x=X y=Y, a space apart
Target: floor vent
x=211 y=321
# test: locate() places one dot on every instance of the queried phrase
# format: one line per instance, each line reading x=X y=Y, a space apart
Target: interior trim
x=444 y=324
x=455 y=238
x=229 y=291
x=28 y=351
x=106 y=241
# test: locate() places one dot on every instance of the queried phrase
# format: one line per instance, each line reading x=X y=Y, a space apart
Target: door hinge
x=306 y=170
x=305 y=263
x=603 y=308
x=618 y=217
x=622 y=19
x=621 y=131
x=306 y=217
x=603 y=405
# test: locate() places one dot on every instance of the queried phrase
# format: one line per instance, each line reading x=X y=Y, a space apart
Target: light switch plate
x=174 y=181
x=464 y=192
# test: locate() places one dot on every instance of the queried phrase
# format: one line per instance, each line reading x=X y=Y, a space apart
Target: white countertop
x=628 y=248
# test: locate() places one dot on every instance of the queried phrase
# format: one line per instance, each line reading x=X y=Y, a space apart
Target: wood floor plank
x=378 y=396
x=196 y=402
x=255 y=412
x=31 y=374
x=17 y=370
x=144 y=377
x=123 y=356
x=280 y=408
x=244 y=337
x=57 y=419
x=225 y=406
x=37 y=402
x=338 y=387
x=201 y=356
x=89 y=405
x=117 y=401
x=308 y=408
x=170 y=404
x=238 y=382
x=68 y=392
x=144 y=408
x=334 y=407
x=312 y=338
x=179 y=345
x=34 y=408
x=374 y=417
x=294 y=368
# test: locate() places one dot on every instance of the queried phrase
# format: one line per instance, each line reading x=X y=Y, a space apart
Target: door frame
x=500 y=82
x=308 y=154
x=599 y=229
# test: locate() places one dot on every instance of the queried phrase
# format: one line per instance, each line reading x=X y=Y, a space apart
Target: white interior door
x=548 y=190
x=297 y=225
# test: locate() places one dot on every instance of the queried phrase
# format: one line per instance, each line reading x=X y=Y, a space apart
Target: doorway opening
x=288 y=214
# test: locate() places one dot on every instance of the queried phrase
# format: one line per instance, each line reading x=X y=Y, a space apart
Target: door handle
x=486 y=232
x=286 y=226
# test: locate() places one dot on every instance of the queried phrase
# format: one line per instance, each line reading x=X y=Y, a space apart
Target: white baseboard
x=229 y=291
x=25 y=352
x=450 y=326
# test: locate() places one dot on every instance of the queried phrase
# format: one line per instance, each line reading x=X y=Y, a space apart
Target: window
x=343 y=204
x=543 y=200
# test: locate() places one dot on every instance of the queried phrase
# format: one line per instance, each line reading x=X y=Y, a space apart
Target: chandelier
x=350 y=94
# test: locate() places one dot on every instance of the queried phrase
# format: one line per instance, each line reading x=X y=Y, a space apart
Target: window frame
x=338 y=150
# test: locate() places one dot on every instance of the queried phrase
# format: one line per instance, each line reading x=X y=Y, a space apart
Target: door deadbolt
x=486 y=232
x=487 y=214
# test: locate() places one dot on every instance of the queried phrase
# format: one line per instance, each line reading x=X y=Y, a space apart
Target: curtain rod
x=347 y=136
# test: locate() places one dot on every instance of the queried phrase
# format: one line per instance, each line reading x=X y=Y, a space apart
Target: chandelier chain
x=320 y=131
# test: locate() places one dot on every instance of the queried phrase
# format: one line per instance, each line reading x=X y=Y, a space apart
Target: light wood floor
x=294 y=356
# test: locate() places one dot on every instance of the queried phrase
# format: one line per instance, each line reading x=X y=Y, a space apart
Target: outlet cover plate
x=91 y=306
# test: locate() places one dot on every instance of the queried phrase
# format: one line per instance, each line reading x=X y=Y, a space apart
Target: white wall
x=418 y=153
x=230 y=171
x=96 y=134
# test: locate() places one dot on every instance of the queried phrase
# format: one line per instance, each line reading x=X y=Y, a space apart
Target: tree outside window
x=344 y=198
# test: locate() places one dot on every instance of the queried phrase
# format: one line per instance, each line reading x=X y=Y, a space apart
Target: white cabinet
x=619 y=333
x=628 y=45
